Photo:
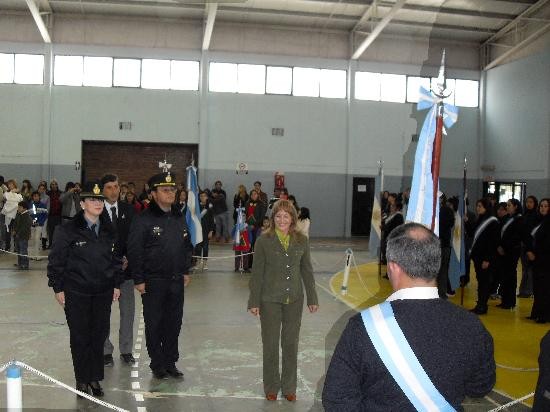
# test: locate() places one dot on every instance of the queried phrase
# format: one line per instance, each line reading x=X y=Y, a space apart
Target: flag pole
x=465 y=208
x=381 y=174
x=436 y=153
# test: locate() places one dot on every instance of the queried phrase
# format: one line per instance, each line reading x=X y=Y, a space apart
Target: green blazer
x=280 y=276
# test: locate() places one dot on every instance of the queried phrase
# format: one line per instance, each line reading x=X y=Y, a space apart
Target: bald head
x=416 y=250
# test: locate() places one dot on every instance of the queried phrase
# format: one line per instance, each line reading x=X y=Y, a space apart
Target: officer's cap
x=162 y=179
x=92 y=189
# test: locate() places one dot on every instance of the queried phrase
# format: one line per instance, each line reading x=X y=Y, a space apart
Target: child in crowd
x=22 y=233
x=39 y=213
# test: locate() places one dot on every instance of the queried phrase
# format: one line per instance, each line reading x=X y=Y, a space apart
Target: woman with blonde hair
x=239 y=200
x=280 y=273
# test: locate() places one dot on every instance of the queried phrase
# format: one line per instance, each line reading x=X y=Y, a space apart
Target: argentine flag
x=457 y=263
x=192 y=216
x=376 y=219
x=422 y=188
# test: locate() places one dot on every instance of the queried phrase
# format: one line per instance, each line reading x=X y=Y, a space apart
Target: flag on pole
x=457 y=263
x=376 y=219
x=192 y=215
x=420 y=208
x=241 y=235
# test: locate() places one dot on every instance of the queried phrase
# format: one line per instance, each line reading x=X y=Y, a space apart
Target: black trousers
x=88 y=319
x=484 y=278
x=443 y=275
x=541 y=291
x=163 y=314
x=53 y=221
x=509 y=279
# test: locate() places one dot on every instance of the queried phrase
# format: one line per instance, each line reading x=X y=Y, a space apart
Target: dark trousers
x=22 y=249
x=526 y=285
x=541 y=291
x=53 y=221
x=202 y=248
x=88 y=318
x=280 y=325
x=443 y=275
x=509 y=279
x=163 y=314
x=484 y=277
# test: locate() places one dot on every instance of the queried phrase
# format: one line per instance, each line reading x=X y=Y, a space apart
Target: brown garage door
x=134 y=161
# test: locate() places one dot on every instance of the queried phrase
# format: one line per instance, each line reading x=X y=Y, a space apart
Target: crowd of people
x=497 y=237
x=105 y=242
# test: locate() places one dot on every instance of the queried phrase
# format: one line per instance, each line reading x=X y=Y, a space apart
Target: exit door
x=361 y=207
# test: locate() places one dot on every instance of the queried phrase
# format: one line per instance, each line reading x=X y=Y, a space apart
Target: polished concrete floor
x=220 y=348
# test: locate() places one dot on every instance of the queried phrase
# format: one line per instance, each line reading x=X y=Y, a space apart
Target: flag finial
x=165 y=166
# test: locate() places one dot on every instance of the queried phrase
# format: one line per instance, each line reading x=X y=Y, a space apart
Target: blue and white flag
x=192 y=215
x=457 y=263
x=422 y=188
x=376 y=219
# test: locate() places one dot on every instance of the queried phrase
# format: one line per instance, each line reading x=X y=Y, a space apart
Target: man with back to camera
x=159 y=255
x=413 y=351
x=120 y=214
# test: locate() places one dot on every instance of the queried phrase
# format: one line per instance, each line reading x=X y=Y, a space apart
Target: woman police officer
x=84 y=270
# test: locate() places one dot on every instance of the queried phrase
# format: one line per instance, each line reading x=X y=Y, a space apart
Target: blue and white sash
x=480 y=230
x=398 y=357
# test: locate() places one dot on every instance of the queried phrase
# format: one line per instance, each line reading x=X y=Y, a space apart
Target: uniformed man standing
x=159 y=255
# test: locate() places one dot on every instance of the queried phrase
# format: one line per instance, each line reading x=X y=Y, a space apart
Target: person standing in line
x=45 y=199
x=159 y=258
x=11 y=202
x=530 y=221
x=446 y=224
x=120 y=214
x=207 y=224
x=84 y=270
x=262 y=195
x=484 y=252
x=281 y=271
x=509 y=250
x=70 y=201
x=538 y=252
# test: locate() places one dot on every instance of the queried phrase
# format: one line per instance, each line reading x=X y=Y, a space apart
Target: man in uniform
x=159 y=255
x=120 y=214
x=414 y=351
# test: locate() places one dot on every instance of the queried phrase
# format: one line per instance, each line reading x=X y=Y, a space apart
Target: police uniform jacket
x=281 y=276
x=82 y=261
x=125 y=214
x=159 y=245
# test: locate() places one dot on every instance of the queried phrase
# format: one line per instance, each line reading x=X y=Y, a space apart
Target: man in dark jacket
x=450 y=346
x=159 y=258
x=120 y=215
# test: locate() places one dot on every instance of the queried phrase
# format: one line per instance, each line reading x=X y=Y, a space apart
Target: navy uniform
x=159 y=255
x=85 y=265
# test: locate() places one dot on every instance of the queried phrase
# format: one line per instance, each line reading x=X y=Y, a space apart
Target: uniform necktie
x=92 y=228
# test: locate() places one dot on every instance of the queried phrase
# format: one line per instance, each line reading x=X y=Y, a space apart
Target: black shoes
x=127 y=358
x=160 y=373
x=97 y=390
x=174 y=372
x=108 y=360
x=478 y=311
x=82 y=387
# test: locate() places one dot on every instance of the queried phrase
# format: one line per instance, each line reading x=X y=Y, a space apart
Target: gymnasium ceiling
x=483 y=22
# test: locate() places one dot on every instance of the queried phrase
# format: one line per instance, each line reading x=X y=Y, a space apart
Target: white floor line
x=137 y=346
x=139 y=397
x=141 y=409
x=135 y=385
x=137 y=355
x=135 y=365
x=134 y=374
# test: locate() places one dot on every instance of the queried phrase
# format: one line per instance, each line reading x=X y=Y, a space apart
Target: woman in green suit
x=280 y=272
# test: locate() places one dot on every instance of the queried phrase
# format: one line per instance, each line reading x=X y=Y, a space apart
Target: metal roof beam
x=377 y=30
x=39 y=21
x=211 y=8
x=370 y=12
x=516 y=21
x=517 y=47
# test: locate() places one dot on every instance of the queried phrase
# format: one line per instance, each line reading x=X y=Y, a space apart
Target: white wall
x=326 y=141
x=517 y=121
